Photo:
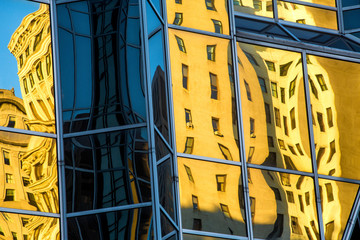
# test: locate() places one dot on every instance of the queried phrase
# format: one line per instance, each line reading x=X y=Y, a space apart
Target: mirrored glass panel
x=204 y=99
x=211 y=197
x=334 y=94
x=331 y=3
x=28 y=172
x=337 y=199
x=274 y=110
x=207 y=15
x=107 y=170
x=283 y=205
x=166 y=188
x=307 y=15
x=26 y=82
x=127 y=225
x=101 y=65
x=255 y=7
x=20 y=226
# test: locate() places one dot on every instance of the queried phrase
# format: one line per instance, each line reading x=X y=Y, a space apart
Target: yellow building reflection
x=208 y=15
x=291 y=12
x=204 y=100
x=29 y=169
x=211 y=197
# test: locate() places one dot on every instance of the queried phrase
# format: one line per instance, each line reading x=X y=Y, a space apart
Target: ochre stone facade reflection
x=204 y=101
x=29 y=169
x=291 y=12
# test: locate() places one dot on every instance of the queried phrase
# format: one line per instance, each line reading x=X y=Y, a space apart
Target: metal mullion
x=310 y=4
x=164 y=140
x=58 y=121
x=150 y=122
x=163 y=159
x=30 y=212
x=105 y=130
x=275 y=10
x=202 y=32
x=298 y=46
x=288 y=32
x=244 y=172
x=310 y=27
x=66 y=1
x=28 y=132
x=163 y=211
x=352 y=30
x=339 y=179
x=109 y=209
x=156 y=12
x=41 y=1
x=340 y=18
x=209 y=159
x=350 y=7
x=169 y=235
x=282 y=170
x=312 y=146
x=254 y=17
x=172 y=136
x=212 y=234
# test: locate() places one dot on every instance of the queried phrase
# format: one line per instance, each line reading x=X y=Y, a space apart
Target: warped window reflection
x=209 y=127
x=262 y=61
x=214 y=202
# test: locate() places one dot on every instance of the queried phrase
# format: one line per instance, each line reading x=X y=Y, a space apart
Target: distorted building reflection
x=204 y=100
x=319 y=15
x=209 y=15
x=211 y=197
x=30 y=167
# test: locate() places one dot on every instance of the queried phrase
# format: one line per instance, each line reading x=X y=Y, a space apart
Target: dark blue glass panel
x=67 y=71
x=152 y=20
x=81 y=22
x=166 y=190
x=157 y=5
x=64 y=17
x=80 y=6
x=83 y=73
x=120 y=225
x=351 y=19
x=246 y=24
x=346 y=3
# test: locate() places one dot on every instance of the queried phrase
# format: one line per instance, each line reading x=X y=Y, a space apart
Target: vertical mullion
x=172 y=120
x=312 y=145
x=58 y=121
x=244 y=174
x=340 y=19
x=275 y=10
x=150 y=122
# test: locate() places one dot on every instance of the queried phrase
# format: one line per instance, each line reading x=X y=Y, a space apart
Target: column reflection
x=204 y=100
x=211 y=197
x=274 y=110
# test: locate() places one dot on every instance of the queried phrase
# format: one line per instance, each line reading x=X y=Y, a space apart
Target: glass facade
x=177 y=119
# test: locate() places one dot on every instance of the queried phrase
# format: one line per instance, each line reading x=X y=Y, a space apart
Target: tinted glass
x=29 y=172
x=334 y=93
x=282 y=205
x=102 y=71
x=211 y=197
x=274 y=110
x=107 y=170
x=166 y=191
x=26 y=82
x=205 y=111
x=128 y=224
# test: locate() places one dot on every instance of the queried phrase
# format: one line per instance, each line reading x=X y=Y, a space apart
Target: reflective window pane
x=307 y=15
x=20 y=226
x=207 y=15
x=107 y=170
x=337 y=199
x=100 y=87
x=210 y=95
x=166 y=191
x=211 y=197
x=275 y=120
x=29 y=172
x=334 y=107
x=26 y=82
x=282 y=205
x=256 y=7
x=127 y=224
